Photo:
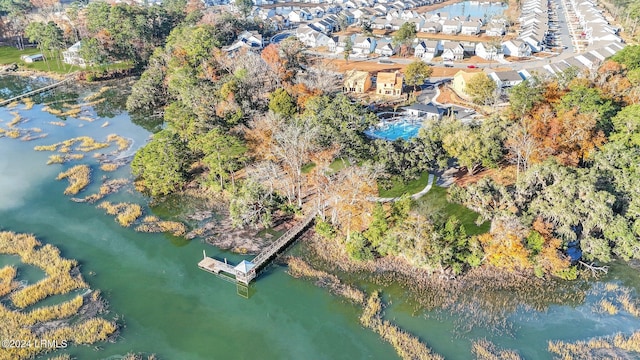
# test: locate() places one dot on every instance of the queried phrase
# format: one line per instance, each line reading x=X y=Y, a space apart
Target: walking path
x=415 y=196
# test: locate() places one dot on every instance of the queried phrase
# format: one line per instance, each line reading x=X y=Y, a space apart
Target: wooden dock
x=246 y=271
x=36 y=91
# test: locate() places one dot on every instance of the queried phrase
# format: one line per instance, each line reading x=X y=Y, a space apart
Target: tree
x=280 y=102
x=161 y=164
x=223 y=154
x=626 y=126
x=474 y=146
x=481 y=89
x=405 y=35
x=365 y=26
x=524 y=96
x=244 y=6
x=348 y=47
x=48 y=36
x=629 y=56
x=416 y=73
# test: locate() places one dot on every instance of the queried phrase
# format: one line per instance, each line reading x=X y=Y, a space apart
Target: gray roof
x=426 y=108
x=509 y=75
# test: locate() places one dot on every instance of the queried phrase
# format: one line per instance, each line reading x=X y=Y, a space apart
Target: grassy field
x=400 y=188
x=10 y=55
x=437 y=197
x=335 y=166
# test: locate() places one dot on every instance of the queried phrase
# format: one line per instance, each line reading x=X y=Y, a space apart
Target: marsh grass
x=17 y=118
x=97 y=94
x=484 y=349
x=122 y=143
x=108 y=187
x=105 y=124
x=109 y=167
x=28 y=103
x=125 y=213
x=12 y=105
x=58 y=123
x=298 y=268
x=79 y=177
x=152 y=224
x=607 y=306
x=406 y=345
x=84 y=144
x=617 y=346
x=86 y=118
x=61 y=159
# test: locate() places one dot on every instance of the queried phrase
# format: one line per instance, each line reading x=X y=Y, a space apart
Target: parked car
x=471 y=66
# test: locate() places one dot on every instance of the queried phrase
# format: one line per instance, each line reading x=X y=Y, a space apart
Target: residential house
x=252 y=38
x=506 y=79
x=337 y=44
x=72 y=55
x=428 y=111
x=389 y=83
x=452 y=51
x=495 y=29
x=516 y=48
x=489 y=52
x=431 y=27
x=385 y=48
x=428 y=49
x=451 y=27
x=459 y=83
x=298 y=16
x=470 y=28
x=363 y=45
x=356 y=81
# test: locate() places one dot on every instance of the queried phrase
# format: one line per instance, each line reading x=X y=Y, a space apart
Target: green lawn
x=10 y=55
x=400 y=188
x=335 y=166
x=437 y=198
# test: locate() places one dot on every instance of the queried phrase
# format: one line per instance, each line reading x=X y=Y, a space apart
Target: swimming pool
x=402 y=129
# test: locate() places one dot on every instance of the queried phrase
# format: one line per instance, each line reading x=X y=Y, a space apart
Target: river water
x=171 y=308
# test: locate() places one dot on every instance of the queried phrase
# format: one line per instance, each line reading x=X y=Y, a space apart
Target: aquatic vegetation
x=86 y=118
x=97 y=94
x=16 y=119
x=28 y=103
x=86 y=144
x=79 y=177
x=123 y=144
x=105 y=124
x=58 y=123
x=607 y=306
x=61 y=357
x=108 y=187
x=126 y=213
x=7 y=274
x=60 y=159
x=109 y=167
x=153 y=224
x=299 y=268
x=12 y=105
x=406 y=345
x=629 y=305
x=484 y=349
x=14 y=134
x=617 y=346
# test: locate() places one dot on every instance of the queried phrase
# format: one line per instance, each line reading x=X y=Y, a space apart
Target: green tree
x=481 y=89
x=588 y=100
x=223 y=154
x=358 y=247
x=161 y=164
x=626 y=126
x=244 y=6
x=348 y=47
x=365 y=26
x=629 y=56
x=524 y=96
x=416 y=73
x=405 y=35
x=48 y=36
x=280 y=102
x=474 y=146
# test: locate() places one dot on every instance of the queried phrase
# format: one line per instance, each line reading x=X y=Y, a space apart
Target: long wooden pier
x=36 y=91
x=246 y=271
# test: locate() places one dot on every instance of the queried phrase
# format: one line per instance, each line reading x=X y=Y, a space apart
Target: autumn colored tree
x=481 y=89
x=504 y=246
